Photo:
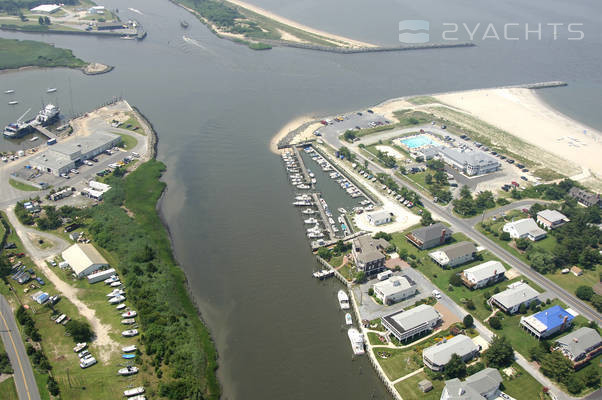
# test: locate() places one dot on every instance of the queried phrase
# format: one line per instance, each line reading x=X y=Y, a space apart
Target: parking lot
x=358 y=120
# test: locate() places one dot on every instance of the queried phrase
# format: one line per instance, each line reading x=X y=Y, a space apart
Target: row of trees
x=466 y=205
x=436 y=180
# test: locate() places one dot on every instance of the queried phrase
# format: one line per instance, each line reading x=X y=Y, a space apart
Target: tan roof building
x=84 y=259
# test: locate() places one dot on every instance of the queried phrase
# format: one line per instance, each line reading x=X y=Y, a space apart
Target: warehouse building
x=471 y=162
x=84 y=259
x=64 y=156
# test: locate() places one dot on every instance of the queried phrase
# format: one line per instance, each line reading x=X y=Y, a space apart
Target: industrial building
x=471 y=162
x=62 y=157
x=84 y=259
x=46 y=9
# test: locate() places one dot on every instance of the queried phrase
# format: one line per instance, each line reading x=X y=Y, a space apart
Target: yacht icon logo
x=414 y=31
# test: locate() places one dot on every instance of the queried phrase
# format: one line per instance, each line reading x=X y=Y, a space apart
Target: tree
x=349 y=136
x=383 y=235
x=584 y=292
x=470 y=304
x=522 y=243
x=574 y=384
x=468 y=321
x=360 y=277
x=485 y=200
x=428 y=179
x=455 y=368
x=500 y=353
x=46 y=21
x=455 y=280
x=426 y=219
x=522 y=309
x=495 y=323
x=556 y=366
x=505 y=236
x=592 y=378
x=80 y=331
x=597 y=301
x=53 y=387
x=465 y=193
x=325 y=253
x=40 y=20
x=536 y=353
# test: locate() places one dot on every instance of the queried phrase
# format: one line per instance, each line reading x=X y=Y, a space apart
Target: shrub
x=495 y=323
x=505 y=236
x=468 y=321
x=584 y=292
x=574 y=384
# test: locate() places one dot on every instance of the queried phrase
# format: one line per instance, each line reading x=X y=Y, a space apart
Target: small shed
x=575 y=270
x=40 y=297
x=425 y=385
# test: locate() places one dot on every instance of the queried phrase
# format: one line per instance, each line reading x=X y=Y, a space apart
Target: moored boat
x=357 y=341
x=348 y=319
x=51 y=90
x=343 y=300
x=9 y=91
x=13 y=102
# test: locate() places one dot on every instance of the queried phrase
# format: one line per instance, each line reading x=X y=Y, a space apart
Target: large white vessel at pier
x=357 y=341
x=343 y=300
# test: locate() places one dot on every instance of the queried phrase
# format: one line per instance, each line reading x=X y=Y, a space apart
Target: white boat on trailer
x=134 y=392
x=129 y=349
x=129 y=333
x=343 y=300
x=128 y=371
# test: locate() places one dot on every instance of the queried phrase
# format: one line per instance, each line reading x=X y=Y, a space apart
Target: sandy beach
x=292 y=125
x=286 y=21
x=522 y=113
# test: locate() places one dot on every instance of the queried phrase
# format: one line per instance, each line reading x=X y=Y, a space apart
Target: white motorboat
x=315 y=235
x=116 y=292
x=134 y=392
x=79 y=347
x=128 y=349
x=9 y=91
x=128 y=321
x=120 y=306
x=116 y=284
x=51 y=90
x=308 y=211
x=116 y=300
x=311 y=221
x=303 y=197
x=343 y=300
x=128 y=371
x=13 y=102
x=129 y=314
x=129 y=333
x=348 y=319
x=357 y=341
x=111 y=279
x=303 y=186
x=139 y=397
x=33 y=139
x=342 y=210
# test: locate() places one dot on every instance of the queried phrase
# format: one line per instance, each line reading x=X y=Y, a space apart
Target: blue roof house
x=547 y=322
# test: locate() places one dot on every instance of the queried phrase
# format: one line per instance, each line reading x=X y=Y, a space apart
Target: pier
x=316 y=199
x=44 y=131
x=302 y=165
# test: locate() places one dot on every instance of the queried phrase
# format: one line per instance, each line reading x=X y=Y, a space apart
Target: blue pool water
x=417 y=141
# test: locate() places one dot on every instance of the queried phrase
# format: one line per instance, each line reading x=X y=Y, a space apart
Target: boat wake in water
x=193 y=42
x=136 y=11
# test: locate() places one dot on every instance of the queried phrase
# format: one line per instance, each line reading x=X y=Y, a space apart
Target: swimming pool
x=418 y=141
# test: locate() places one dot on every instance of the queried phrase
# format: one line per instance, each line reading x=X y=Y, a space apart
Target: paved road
x=467 y=227
x=23 y=373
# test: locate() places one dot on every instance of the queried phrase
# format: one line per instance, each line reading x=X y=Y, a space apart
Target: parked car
x=524 y=178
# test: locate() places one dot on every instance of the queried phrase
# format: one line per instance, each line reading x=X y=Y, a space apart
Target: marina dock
x=44 y=131
x=323 y=215
x=302 y=165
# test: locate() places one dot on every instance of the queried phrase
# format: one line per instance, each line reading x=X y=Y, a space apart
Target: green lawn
x=129 y=142
x=408 y=388
x=8 y=390
x=571 y=282
x=22 y=53
x=521 y=386
x=132 y=124
x=22 y=186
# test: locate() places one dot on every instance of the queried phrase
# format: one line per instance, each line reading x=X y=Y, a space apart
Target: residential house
x=430 y=236
x=438 y=355
x=547 y=322
x=511 y=299
x=394 y=289
x=483 y=385
x=524 y=228
x=455 y=254
x=407 y=324
x=584 y=197
x=551 y=219
x=368 y=254
x=482 y=275
x=378 y=218
x=580 y=346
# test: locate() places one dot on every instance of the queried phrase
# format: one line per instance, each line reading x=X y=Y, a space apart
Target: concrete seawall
x=357 y=50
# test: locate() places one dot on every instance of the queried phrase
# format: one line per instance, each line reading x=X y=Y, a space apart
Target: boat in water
x=48 y=114
x=308 y=211
x=311 y=221
x=343 y=299
x=18 y=129
x=51 y=90
x=128 y=371
x=184 y=24
x=9 y=91
x=12 y=103
x=357 y=341
x=348 y=319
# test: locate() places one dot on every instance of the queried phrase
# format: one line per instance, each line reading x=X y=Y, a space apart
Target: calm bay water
x=215 y=106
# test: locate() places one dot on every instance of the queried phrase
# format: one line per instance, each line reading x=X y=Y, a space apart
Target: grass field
x=8 y=390
x=129 y=142
x=24 y=53
x=408 y=388
x=22 y=186
x=132 y=124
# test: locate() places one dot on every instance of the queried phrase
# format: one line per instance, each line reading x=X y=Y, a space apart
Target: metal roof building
x=84 y=259
x=482 y=385
x=547 y=322
x=516 y=294
x=406 y=324
x=483 y=274
x=581 y=345
x=473 y=162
